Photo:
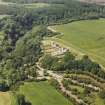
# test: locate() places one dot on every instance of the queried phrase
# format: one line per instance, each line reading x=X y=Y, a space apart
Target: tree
x=57 y=66
x=21 y=100
x=68 y=57
x=47 y=61
x=87 y=91
x=54 y=83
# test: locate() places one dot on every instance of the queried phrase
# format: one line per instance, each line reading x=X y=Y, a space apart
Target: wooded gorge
x=22 y=31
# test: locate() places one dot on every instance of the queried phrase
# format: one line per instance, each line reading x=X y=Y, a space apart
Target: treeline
x=20 y=48
x=10 y=9
x=67 y=11
x=36 y=1
x=69 y=63
x=20 y=99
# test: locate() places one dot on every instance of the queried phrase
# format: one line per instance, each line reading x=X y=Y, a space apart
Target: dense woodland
x=69 y=63
x=22 y=33
x=65 y=10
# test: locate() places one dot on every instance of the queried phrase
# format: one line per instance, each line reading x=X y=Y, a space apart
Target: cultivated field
x=5 y=98
x=41 y=93
x=36 y=5
x=93 y=98
x=86 y=36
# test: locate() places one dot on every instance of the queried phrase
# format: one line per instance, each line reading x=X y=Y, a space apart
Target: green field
x=86 y=36
x=41 y=93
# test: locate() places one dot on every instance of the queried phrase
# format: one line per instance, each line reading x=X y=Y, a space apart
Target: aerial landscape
x=52 y=52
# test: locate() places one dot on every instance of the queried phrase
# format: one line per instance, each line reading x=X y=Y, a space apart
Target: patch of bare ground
x=5 y=98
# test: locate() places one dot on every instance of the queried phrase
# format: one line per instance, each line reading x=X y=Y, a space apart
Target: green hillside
x=85 y=36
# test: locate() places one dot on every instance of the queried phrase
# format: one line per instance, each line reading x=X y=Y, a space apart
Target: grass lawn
x=86 y=36
x=41 y=93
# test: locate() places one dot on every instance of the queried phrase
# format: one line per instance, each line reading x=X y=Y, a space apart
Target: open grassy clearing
x=85 y=36
x=41 y=93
